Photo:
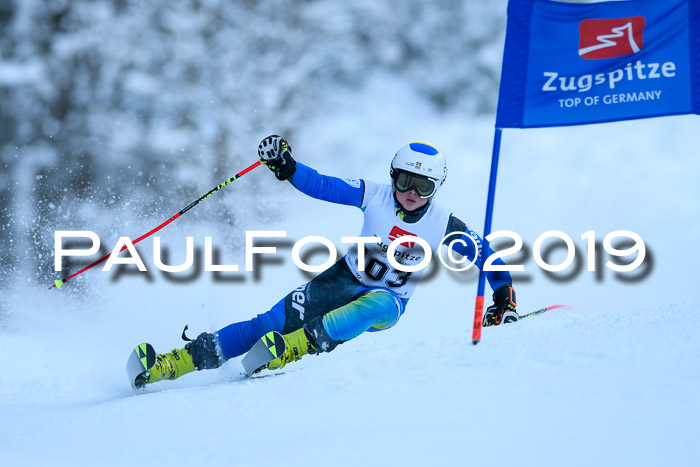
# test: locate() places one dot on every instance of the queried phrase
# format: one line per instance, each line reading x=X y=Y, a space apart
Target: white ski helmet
x=421 y=159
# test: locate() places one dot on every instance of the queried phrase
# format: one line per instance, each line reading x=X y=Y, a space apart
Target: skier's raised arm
x=277 y=155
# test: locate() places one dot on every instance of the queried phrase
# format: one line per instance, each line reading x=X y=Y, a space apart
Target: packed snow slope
x=613 y=382
x=570 y=388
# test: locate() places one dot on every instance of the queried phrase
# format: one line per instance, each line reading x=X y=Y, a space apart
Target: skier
x=346 y=300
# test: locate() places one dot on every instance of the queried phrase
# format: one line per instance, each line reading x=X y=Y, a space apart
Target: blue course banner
x=573 y=64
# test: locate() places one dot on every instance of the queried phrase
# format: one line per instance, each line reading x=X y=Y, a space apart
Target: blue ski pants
x=347 y=308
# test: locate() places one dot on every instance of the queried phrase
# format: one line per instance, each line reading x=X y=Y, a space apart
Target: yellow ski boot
x=170 y=366
x=298 y=345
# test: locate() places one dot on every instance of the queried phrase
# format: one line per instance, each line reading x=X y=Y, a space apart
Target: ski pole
x=59 y=283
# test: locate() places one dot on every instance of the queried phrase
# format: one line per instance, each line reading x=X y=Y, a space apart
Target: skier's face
x=410 y=200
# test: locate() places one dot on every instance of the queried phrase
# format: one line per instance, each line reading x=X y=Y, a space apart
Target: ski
x=142 y=358
x=269 y=347
x=549 y=308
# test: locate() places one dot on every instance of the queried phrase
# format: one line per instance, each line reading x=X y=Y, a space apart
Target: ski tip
x=558 y=307
x=58 y=284
x=146 y=354
x=142 y=359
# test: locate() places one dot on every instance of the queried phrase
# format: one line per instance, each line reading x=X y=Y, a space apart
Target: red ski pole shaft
x=59 y=283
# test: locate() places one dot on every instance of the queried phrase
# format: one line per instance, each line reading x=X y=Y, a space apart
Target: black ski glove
x=503 y=308
x=277 y=154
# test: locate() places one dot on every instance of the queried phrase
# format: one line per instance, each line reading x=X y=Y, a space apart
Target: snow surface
x=613 y=382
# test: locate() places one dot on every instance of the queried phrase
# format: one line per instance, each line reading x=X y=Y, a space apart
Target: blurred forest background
x=110 y=107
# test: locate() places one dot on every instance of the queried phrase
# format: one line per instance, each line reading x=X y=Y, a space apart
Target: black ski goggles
x=405 y=181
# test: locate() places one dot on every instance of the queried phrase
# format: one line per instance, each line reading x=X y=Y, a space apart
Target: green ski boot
x=298 y=345
x=169 y=366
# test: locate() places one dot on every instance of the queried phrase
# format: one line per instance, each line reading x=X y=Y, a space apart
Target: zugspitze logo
x=397 y=232
x=608 y=38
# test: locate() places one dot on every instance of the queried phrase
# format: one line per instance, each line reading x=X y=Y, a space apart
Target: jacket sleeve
x=335 y=190
x=469 y=251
